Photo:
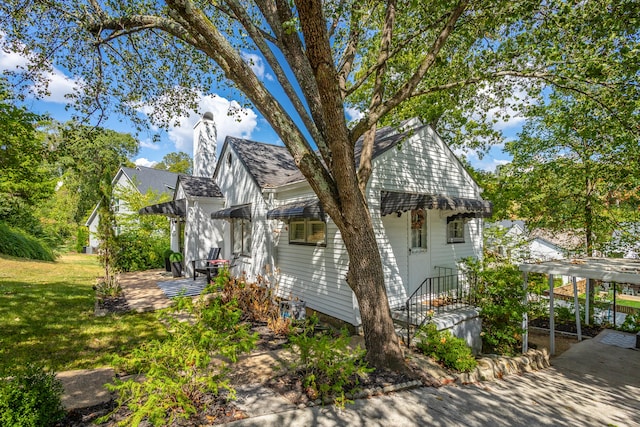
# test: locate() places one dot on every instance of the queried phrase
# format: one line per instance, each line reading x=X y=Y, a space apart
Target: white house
x=258 y=208
x=139 y=178
x=523 y=245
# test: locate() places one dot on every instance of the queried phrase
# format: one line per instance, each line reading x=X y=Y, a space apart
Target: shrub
x=631 y=323
x=136 y=251
x=501 y=300
x=445 y=348
x=82 y=238
x=178 y=370
x=32 y=398
x=328 y=367
x=18 y=243
x=257 y=300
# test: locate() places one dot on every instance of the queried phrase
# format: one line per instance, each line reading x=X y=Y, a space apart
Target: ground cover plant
x=180 y=379
x=47 y=316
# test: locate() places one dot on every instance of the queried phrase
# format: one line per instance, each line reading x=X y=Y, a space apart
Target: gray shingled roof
x=273 y=166
x=270 y=165
x=195 y=186
x=146 y=179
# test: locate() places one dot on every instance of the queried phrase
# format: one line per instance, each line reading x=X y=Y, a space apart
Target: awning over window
x=310 y=209
x=241 y=211
x=174 y=208
x=393 y=202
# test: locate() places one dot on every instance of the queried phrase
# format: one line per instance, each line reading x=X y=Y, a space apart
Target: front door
x=419 y=251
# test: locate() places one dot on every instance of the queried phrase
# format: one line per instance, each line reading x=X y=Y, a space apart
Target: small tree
x=107 y=235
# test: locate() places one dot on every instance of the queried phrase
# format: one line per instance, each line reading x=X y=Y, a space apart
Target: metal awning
x=241 y=211
x=174 y=208
x=394 y=202
x=310 y=209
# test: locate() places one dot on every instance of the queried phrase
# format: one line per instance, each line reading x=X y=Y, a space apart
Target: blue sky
x=250 y=125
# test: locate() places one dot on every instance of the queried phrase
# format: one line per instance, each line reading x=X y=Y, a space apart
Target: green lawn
x=46 y=316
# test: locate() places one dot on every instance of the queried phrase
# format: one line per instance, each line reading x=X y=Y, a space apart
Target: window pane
x=237 y=236
x=418 y=229
x=316 y=231
x=455 y=231
x=246 y=238
x=296 y=231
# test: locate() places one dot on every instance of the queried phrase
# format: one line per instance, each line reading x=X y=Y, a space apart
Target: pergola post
x=576 y=304
x=525 y=315
x=587 y=287
x=552 y=325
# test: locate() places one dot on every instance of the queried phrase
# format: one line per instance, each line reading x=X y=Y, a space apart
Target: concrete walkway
x=591 y=384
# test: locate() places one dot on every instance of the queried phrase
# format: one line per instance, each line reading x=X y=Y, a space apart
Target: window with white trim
x=307 y=232
x=241 y=236
x=418 y=229
x=455 y=231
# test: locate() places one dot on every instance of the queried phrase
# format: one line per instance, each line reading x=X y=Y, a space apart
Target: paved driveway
x=591 y=384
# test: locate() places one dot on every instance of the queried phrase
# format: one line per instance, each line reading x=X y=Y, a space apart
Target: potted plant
x=176 y=263
x=167 y=262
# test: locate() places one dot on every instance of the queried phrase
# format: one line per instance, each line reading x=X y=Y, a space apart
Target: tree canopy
x=85 y=155
x=575 y=168
x=26 y=177
x=456 y=63
x=178 y=162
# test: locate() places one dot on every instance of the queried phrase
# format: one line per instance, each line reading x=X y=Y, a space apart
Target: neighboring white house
x=520 y=244
x=258 y=208
x=139 y=178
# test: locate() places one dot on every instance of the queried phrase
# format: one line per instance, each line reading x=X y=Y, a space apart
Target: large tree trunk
x=366 y=279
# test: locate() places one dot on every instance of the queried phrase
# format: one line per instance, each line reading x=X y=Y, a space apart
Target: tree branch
x=410 y=85
x=256 y=35
x=364 y=170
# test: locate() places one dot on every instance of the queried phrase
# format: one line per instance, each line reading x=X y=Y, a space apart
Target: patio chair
x=206 y=265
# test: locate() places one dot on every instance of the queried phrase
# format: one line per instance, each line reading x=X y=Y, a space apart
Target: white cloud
x=59 y=84
x=353 y=114
x=144 y=162
x=229 y=116
x=147 y=143
x=257 y=65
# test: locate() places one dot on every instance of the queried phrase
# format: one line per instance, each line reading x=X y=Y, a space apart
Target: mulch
x=559 y=326
x=219 y=410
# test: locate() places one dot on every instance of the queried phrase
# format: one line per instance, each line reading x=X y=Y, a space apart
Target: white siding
x=314 y=274
x=201 y=232
x=423 y=165
x=239 y=188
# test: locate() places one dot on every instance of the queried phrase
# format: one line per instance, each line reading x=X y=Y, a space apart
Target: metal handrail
x=435 y=295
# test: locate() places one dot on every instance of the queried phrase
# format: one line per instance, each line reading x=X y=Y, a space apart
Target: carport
x=615 y=270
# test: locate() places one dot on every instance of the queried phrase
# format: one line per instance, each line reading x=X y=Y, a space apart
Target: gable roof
x=273 y=166
x=145 y=179
x=196 y=186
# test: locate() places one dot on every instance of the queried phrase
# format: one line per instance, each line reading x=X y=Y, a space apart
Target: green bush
x=501 y=300
x=178 y=370
x=138 y=251
x=631 y=323
x=32 y=398
x=18 y=243
x=82 y=238
x=328 y=366
x=445 y=348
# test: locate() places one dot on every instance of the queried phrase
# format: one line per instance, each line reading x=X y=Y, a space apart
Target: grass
x=47 y=316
